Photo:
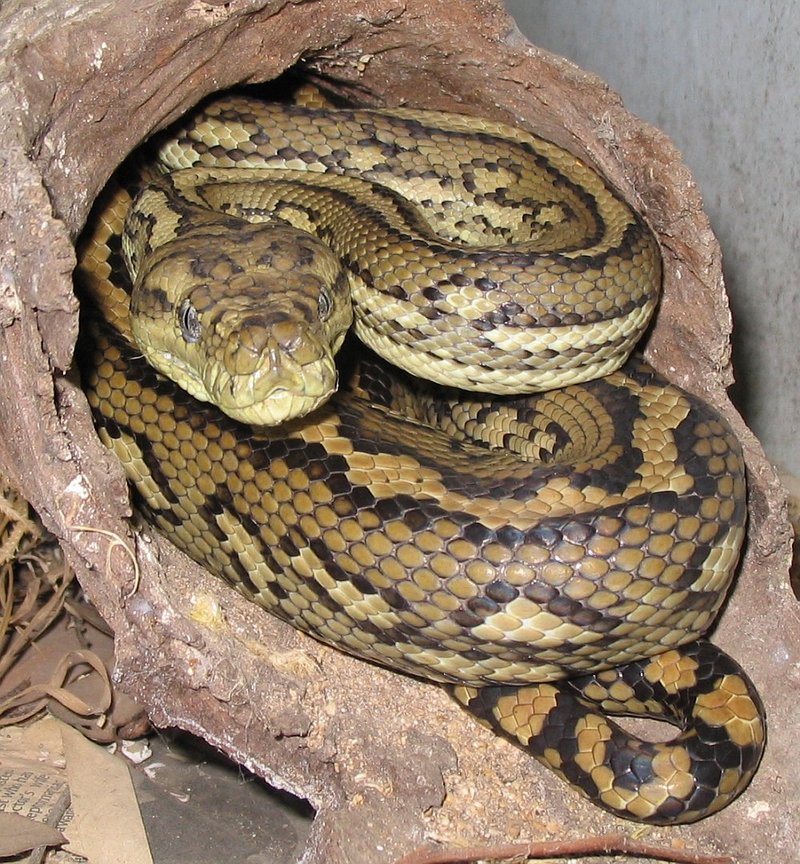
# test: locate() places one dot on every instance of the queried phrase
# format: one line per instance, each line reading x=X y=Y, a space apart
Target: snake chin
x=280 y=390
x=278 y=403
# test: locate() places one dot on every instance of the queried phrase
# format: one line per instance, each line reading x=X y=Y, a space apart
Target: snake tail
x=566 y=727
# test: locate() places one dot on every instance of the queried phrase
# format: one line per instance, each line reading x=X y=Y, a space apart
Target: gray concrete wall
x=720 y=77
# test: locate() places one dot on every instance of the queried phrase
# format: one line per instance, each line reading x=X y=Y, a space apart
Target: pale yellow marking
x=730 y=706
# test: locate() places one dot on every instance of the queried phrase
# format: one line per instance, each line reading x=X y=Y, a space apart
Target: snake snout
x=246 y=346
x=288 y=335
x=271 y=371
x=258 y=346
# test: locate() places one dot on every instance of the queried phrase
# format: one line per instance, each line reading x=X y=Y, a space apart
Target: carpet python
x=553 y=552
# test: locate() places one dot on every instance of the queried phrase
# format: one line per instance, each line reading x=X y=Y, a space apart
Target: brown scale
x=591 y=539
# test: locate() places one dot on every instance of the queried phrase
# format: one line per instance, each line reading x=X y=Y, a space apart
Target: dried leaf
x=19 y=834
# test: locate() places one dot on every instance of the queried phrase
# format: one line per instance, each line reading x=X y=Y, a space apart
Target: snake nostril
x=287 y=335
x=256 y=344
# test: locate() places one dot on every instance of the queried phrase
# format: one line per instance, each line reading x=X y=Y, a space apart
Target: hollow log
x=387 y=762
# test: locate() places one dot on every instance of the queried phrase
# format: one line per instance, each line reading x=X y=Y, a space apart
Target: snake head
x=248 y=319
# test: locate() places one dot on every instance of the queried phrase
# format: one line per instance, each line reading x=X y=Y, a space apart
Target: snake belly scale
x=555 y=557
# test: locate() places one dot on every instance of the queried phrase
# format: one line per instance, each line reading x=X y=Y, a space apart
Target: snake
x=553 y=553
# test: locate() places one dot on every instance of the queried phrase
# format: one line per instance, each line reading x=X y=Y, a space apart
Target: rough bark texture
x=388 y=762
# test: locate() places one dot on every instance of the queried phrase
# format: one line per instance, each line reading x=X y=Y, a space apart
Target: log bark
x=387 y=762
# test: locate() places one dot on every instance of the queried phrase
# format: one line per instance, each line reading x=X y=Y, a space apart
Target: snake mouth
x=267 y=397
x=273 y=395
x=279 y=407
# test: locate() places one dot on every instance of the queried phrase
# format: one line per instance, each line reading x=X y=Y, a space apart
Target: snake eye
x=325 y=306
x=189 y=321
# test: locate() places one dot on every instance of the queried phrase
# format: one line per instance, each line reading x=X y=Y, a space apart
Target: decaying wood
x=389 y=763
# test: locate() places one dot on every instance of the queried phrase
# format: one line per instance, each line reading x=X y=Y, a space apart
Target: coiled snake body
x=556 y=557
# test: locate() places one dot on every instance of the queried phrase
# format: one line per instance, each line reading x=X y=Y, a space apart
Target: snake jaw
x=275 y=384
x=270 y=366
